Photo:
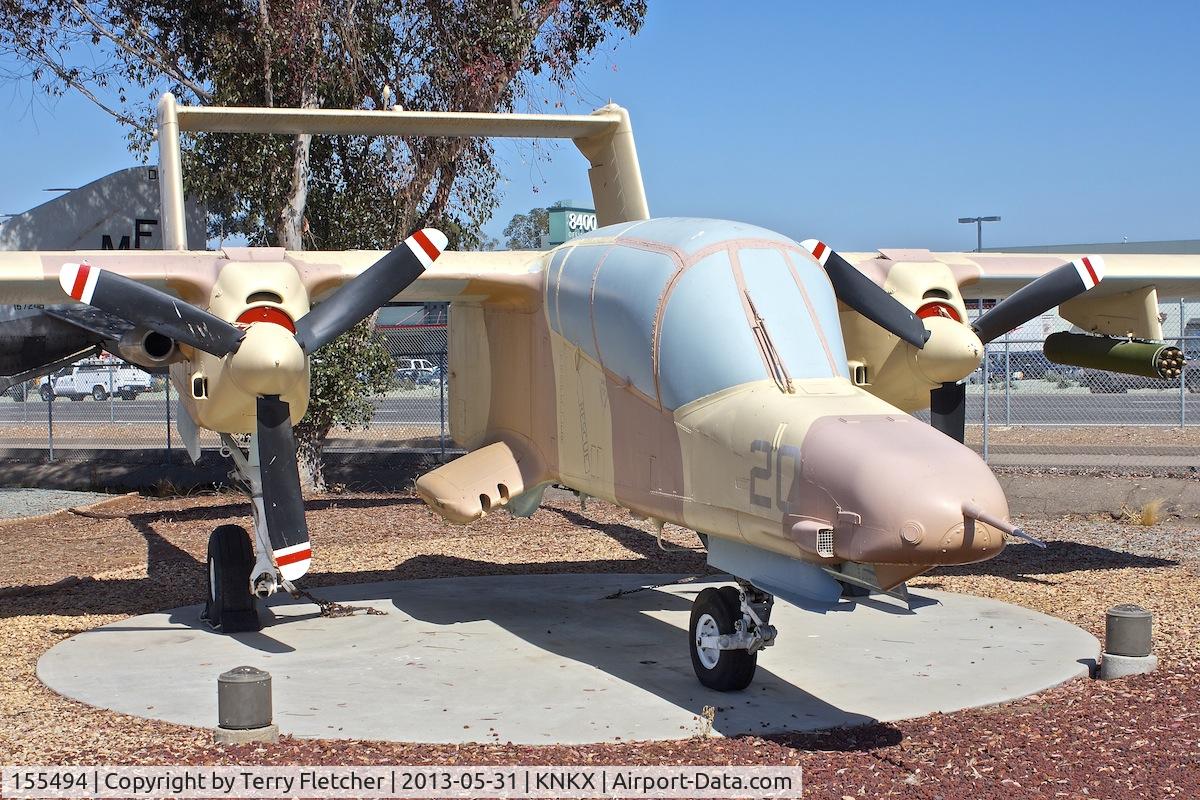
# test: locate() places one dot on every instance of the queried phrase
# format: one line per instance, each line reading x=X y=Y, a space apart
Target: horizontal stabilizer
x=481 y=481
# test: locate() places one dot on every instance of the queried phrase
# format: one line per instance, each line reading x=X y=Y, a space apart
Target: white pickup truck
x=97 y=380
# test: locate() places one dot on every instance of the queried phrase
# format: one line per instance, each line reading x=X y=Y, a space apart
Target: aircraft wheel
x=714 y=613
x=230 y=606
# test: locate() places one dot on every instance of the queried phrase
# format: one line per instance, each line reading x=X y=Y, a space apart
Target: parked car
x=408 y=364
x=98 y=381
x=409 y=378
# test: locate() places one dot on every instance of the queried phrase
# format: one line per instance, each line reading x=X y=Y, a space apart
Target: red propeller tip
x=1090 y=269
x=819 y=250
x=427 y=244
x=79 y=281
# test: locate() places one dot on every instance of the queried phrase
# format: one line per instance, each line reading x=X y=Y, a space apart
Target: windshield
x=679 y=321
x=753 y=314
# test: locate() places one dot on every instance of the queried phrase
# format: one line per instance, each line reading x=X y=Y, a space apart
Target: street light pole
x=978 y=228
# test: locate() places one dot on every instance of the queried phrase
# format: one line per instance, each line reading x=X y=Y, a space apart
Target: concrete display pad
x=546 y=659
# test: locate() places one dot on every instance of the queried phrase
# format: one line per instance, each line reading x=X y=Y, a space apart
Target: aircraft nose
x=898 y=488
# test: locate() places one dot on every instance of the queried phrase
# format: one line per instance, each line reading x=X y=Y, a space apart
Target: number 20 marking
x=764 y=472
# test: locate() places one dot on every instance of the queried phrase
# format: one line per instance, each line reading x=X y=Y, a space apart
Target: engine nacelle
x=148 y=348
x=1128 y=356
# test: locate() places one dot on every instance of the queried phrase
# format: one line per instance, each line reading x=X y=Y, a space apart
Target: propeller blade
x=361 y=297
x=143 y=305
x=283 y=506
x=948 y=410
x=866 y=297
x=1034 y=299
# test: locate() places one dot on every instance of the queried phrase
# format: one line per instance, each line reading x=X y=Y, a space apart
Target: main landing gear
x=729 y=625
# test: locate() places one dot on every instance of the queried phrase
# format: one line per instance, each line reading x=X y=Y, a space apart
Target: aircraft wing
x=31 y=278
x=1125 y=303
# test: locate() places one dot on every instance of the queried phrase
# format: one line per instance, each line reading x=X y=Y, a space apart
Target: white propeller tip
x=438 y=238
x=78 y=281
x=1090 y=269
x=427 y=244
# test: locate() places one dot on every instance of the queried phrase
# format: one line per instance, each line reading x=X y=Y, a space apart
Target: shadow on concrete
x=618 y=656
x=1023 y=562
x=176 y=578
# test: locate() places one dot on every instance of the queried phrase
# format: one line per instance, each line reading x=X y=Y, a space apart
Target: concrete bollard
x=1127 y=642
x=244 y=711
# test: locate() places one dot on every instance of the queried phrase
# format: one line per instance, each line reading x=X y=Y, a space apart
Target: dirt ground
x=1138 y=737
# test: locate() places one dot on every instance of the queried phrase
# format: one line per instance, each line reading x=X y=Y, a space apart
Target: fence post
x=1007 y=382
x=442 y=404
x=1183 y=372
x=987 y=381
x=167 y=458
x=50 y=417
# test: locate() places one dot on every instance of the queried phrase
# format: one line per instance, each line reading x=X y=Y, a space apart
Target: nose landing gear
x=728 y=628
x=230 y=606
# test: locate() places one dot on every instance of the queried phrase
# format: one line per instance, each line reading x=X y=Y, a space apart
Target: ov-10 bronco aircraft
x=704 y=373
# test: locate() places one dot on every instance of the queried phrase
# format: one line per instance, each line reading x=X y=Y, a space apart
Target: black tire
x=46 y=393
x=230 y=606
x=733 y=670
x=99 y=394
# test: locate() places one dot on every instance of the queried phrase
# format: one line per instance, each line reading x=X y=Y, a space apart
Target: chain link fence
x=1022 y=410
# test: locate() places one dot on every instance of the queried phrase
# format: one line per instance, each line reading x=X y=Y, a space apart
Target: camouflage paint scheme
x=666 y=401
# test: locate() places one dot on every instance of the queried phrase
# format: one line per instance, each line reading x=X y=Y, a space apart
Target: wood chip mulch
x=1134 y=738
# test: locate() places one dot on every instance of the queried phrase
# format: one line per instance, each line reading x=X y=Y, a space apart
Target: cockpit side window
x=625 y=302
x=570 y=304
x=796 y=303
x=705 y=343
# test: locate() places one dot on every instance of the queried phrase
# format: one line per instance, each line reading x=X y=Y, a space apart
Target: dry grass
x=1150 y=514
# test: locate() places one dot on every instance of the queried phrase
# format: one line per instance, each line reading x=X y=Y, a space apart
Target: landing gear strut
x=729 y=625
x=264 y=579
x=236 y=578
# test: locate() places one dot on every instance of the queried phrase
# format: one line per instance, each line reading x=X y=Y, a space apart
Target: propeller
x=866 y=297
x=947 y=403
x=1034 y=299
x=283 y=506
x=361 y=297
x=265 y=359
x=948 y=409
x=143 y=305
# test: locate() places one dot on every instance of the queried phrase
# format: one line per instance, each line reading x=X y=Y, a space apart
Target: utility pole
x=978 y=228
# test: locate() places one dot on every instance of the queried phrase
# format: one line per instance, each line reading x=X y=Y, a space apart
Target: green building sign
x=568 y=222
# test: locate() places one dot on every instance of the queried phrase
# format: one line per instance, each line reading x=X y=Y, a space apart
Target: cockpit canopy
x=682 y=308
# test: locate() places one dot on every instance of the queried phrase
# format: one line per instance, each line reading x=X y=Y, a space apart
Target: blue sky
x=868 y=124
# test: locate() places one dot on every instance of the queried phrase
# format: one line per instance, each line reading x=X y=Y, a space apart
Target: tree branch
x=171 y=70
